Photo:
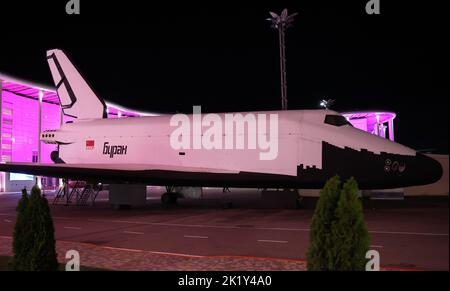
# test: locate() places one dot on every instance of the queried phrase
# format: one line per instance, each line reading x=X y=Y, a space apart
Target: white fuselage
x=146 y=140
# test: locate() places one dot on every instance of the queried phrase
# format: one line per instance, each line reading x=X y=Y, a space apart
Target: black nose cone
x=428 y=170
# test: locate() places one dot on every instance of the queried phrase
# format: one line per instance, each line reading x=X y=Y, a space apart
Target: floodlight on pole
x=326 y=103
x=281 y=22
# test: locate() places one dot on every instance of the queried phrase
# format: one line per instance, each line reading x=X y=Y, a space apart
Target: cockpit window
x=336 y=120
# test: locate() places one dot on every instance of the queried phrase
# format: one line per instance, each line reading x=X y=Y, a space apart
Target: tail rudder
x=76 y=96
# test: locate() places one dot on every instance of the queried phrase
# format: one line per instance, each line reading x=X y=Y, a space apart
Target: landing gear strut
x=170 y=197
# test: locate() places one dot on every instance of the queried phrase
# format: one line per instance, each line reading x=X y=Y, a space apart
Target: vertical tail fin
x=77 y=98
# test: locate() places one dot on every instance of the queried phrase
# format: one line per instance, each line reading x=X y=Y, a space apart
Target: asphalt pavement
x=409 y=237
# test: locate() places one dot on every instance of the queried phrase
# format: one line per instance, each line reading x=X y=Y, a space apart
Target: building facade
x=27 y=109
x=377 y=123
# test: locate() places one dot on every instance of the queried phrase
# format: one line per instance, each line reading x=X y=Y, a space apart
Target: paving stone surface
x=137 y=260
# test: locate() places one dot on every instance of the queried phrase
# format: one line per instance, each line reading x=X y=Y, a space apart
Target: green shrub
x=320 y=234
x=22 y=242
x=35 y=250
x=349 y=232
x=339 y=237
x=43 y=254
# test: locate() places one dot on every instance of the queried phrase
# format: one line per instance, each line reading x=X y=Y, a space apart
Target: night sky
x=224 y=56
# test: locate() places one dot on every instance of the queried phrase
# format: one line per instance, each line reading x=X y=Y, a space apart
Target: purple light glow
x=20 y=114
x=373 y=122
x=20 y=127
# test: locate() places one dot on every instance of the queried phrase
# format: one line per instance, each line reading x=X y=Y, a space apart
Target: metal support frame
x=81 y=195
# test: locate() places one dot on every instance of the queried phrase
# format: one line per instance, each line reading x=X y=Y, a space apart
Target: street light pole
x=281 y=22
x=283 y=67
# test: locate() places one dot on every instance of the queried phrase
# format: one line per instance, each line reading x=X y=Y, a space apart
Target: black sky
x=224 y=56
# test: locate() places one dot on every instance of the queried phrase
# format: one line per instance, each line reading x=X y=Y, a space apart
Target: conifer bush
x=349 y=232
x=34 y=243
x=339 y=238
x=21 y=235
x=320 y=233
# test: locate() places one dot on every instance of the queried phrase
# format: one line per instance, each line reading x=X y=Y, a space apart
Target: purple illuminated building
x=377 y=123
x=22 y=105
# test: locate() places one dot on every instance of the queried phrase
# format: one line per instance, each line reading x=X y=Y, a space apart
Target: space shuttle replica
x=267 y=149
